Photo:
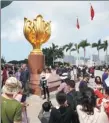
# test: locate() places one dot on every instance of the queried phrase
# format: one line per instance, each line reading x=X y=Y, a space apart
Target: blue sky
x=63 y=15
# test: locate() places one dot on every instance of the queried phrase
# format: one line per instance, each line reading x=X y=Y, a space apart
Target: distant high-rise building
x=107 y=59
x=69 y=59
x=95 y=58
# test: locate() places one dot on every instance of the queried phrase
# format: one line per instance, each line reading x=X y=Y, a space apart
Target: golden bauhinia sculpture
x=37 y=32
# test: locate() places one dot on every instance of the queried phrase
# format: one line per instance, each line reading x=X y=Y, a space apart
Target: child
x=44 y=114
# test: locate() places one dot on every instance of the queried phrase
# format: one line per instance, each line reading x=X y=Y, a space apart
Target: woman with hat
x=22 y=99
x=11 y=109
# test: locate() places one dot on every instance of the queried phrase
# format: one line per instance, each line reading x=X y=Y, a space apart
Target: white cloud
x=13 y=31
x=106 y=38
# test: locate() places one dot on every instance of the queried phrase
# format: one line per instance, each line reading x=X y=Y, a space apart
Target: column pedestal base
x=36 y=65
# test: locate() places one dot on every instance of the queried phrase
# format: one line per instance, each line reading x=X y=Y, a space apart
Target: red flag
x=92 y=13
x=77 y=25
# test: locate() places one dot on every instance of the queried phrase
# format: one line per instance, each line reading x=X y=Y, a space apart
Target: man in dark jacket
x=64 y=113
x=83 y=83
x=73 y=97
x=24 y=77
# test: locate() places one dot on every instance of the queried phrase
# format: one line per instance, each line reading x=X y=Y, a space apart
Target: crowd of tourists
x=85 y=105
x=82 y=105
x=14 y=83
x=21 y=73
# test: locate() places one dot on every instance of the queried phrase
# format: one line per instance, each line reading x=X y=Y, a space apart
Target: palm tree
x=84 y=44
x=54 y=49
x=98 y=46
x=52 y=53
x=105 y=47
x=59 y=53
x=68 y=47
x=76 y=48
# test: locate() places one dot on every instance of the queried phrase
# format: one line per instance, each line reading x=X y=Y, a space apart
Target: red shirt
x=101 y=97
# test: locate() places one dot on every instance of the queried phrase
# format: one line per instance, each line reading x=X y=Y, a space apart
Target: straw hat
x=12 y=86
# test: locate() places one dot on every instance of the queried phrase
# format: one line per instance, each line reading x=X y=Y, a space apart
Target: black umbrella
x=5 y=3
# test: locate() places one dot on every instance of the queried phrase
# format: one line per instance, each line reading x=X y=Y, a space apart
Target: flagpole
x=77 y=56
x=91 y=56
x=77 y=44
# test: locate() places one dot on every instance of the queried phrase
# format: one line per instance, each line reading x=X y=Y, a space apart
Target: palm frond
x=84 y=44
x=94 y=45
x=73 y=49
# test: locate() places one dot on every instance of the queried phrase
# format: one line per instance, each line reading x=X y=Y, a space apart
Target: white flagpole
x=77 y=56
x=91 y=56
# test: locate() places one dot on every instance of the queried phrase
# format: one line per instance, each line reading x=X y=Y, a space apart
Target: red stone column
x=36 y=65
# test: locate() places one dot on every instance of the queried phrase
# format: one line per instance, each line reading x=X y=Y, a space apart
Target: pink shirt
x=63 y=87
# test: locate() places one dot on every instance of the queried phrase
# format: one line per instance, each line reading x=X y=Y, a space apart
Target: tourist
x=92 y=71
x=84 y=71
x=73 y=95
x=11 y=109
x=4 y=75
x=22 y=99
x=75 y=73
x=98 y=83
x=78 y=72
x=63 y=113
x=103 y=98
x=1 y=76
x=10 y=72
x=44 y=82
x=87 y=111
x=44 y=114
x=24 y=77
x=63 y=86
x=105 y=76
x=83 y=83
x=18 y=73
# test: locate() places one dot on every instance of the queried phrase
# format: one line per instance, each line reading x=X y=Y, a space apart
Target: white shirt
x=75 y=71
x=46 y=75
x=99 y=116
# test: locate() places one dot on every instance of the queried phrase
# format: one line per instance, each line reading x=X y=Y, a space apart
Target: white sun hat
x=12 y=86
x=64 y=76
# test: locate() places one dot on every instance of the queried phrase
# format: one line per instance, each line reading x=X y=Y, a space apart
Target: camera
x=43 y=78
x=51 y=105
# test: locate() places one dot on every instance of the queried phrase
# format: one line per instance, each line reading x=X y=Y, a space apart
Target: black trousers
x=46 y=91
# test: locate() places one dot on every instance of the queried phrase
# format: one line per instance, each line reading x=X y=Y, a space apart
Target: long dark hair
x=88 y=101
x=96 y=81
